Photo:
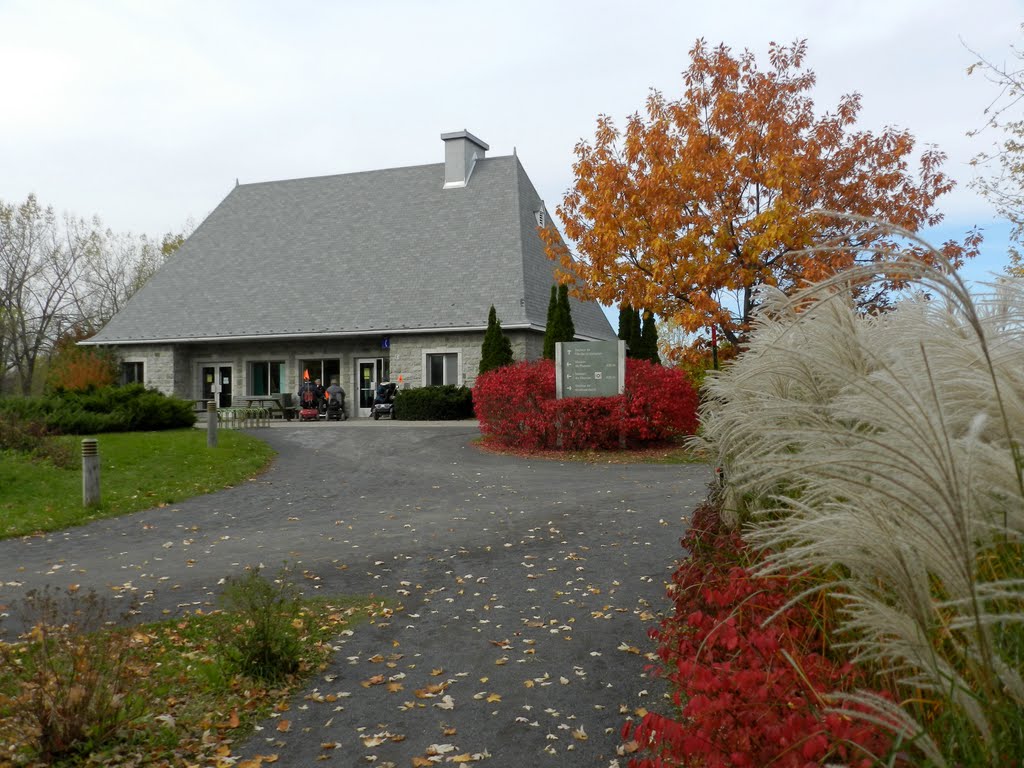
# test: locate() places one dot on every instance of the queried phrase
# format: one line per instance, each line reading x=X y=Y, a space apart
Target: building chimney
x=461 y=151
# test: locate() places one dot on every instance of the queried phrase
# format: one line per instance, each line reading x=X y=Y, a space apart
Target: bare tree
x=119 y=265
x=64 y=273
x=43 y=261
x=1003 y=184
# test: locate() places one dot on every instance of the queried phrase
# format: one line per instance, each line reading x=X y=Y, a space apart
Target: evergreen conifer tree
x=635 y=340
x=649 y=339
x=625 y=321
x=549 y=325
x=497 y=349
x=566 y=329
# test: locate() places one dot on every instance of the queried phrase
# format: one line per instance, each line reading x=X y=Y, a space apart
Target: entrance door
x=369 y=372
x=217 y=378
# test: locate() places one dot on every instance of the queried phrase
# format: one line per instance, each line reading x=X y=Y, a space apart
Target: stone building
x=373 y=276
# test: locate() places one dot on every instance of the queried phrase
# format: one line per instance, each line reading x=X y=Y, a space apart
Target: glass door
x=369 y=372
x=217 y=379
x=323 y=369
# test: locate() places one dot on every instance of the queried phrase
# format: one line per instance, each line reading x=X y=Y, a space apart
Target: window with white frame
x=266 y=377
x=441 y=368
x=132 y=373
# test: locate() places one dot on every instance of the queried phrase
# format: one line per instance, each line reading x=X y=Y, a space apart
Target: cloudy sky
x=144 y=113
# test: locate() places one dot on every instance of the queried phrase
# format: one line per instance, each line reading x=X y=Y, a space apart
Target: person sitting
x=335 y=398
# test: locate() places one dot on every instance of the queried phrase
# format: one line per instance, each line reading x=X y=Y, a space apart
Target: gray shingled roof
x=376 y=252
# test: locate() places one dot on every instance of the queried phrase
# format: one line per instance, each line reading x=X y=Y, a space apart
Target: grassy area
x=193 y=708
x=138 y=470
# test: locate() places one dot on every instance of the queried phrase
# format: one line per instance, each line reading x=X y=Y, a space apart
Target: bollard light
x=90 y=472
x=211 y=424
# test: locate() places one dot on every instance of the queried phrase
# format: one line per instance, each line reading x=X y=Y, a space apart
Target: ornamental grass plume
x=883 y=453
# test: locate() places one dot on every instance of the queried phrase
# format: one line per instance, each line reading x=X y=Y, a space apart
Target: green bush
x=25 y=409
x=108 y=409
x=444 y=403
x=266 y=645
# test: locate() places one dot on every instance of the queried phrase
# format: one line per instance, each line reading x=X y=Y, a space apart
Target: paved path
x=524 y=587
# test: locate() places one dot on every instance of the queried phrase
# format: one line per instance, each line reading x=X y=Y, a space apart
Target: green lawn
x=138 y=470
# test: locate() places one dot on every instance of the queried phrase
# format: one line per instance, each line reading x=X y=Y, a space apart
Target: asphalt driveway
x=523 y=589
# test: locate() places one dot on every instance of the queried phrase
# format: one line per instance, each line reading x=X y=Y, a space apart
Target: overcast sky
x=144 y=113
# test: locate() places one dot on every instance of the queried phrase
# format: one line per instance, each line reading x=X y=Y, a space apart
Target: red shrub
x=749 y=693
x=508 y=401
x=516 y=405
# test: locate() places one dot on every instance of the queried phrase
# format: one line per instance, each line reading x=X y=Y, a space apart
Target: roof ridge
x=360 y=173
x=517 y=168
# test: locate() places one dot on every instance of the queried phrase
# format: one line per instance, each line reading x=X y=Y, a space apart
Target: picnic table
x=274 y=403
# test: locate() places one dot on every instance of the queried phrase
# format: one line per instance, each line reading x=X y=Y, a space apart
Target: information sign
x=590 y=368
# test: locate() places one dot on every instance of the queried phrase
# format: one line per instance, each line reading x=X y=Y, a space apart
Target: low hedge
x=749 y=668
x=516 y=406
x=443 y=403
x=109 y=409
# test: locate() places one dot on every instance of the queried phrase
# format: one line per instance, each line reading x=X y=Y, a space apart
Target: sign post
x=589 y=369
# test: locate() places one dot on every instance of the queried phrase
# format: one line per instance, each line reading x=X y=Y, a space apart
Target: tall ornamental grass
x=882 y=454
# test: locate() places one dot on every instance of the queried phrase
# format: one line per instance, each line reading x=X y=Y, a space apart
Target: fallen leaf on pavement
x=447 y=702
x=430 y=690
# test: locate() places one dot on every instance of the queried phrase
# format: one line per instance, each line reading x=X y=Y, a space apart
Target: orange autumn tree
x=77 y=368
x=701 y=200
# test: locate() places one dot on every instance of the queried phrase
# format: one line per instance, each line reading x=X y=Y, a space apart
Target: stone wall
x=175 y=369
x=160 y=365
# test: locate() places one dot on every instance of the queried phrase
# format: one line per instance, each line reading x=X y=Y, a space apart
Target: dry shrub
x=74 y=689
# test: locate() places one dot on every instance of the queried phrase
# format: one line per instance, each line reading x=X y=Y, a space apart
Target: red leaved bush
x=749 y=694
x=516 y=406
